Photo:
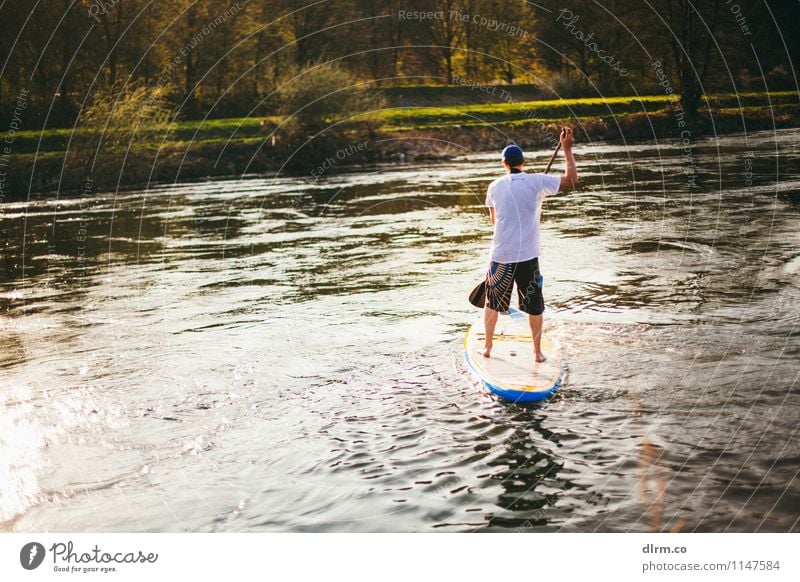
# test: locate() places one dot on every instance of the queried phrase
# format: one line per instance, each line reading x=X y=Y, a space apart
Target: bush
x=566 y=86
x=112 y=125
x=118 y=119
x=324 y=107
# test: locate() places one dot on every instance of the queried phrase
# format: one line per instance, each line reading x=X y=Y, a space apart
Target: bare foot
x=540 y=357
x=486 y=351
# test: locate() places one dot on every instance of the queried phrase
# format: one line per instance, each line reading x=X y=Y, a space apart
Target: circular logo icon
x=31 y=555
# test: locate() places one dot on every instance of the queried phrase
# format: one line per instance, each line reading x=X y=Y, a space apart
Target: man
x=515 y=206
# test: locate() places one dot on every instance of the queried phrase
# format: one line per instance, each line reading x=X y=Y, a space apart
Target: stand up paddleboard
x=511 y=372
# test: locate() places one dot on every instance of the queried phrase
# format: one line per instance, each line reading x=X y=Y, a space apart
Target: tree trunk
x=449 y=60
x=189 y=65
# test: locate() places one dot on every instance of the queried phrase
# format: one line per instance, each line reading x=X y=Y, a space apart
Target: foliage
x=324 y=105
x=323 y=94
x=113 y=120
x=566 y=85
x=112 y=126
x=223 y=58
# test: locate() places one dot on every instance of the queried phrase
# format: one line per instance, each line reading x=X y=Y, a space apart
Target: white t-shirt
x=517 y=202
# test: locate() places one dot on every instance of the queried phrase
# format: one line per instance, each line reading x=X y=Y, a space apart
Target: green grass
x=241 y=130
x=515 y=114
x=504 y=111
x=243 y=127
x=403 y=119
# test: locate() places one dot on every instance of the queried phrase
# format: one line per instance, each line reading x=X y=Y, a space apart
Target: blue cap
x=513 y=155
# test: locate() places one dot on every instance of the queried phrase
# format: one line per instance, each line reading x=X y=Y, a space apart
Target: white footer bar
x=401 y=557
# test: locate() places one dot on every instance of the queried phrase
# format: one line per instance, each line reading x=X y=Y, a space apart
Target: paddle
x=478 y=295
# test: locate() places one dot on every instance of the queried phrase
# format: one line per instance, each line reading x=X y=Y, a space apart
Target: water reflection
x=529 y=476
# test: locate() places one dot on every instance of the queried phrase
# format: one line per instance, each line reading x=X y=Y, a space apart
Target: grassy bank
x=190 y=150
x=565 y=110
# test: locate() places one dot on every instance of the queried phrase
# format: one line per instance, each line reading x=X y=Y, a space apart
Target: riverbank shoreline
x=254 y=147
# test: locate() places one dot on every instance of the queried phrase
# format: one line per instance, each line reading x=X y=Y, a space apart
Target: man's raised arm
x=570 y=177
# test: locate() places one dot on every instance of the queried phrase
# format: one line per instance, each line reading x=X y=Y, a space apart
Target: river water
x=285 y=354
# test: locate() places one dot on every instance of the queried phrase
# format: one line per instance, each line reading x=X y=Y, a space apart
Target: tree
x=594 y=44
x=691 y=28
x=510 y=51
x=444 y=32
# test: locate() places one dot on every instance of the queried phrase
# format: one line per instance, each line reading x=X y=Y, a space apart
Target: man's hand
x=566 y=138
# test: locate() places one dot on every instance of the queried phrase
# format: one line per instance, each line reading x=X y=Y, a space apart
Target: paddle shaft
x=553 y=157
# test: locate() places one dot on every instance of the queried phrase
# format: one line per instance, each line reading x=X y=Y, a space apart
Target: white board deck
x=511 y=367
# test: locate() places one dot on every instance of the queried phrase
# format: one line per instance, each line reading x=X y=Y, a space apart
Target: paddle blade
x=478 y=295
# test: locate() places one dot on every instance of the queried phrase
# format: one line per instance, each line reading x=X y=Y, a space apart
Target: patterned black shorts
x=501 y=278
